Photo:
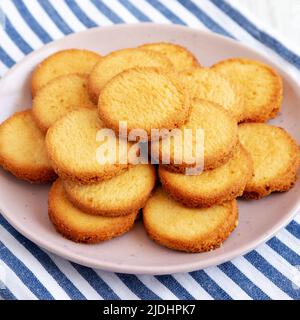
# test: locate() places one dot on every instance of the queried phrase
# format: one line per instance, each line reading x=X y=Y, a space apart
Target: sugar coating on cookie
x=118 y=196
x=78 y=226
x=22 y=149
x=180 y=57
x=259 y=85
x=73 y=148
x=62 y=63
x=211 y=187
x=146 y=98
x=175 y=226
x=58 y=97
x=119 y=61
x=220 y=137
x=275 y=157
x=207 y=84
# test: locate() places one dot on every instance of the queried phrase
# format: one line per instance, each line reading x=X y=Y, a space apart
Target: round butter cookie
x=207 y=84
x=22 y=149
x=58 y=97
x=175 y=226
x=220 y=139
x=145 y=98
x=180 y=57
x=73 y=148
x=275 y=155
x=78 y=226
x=121 y=195
x=62 y=63
x=258 y=84
x=119 y=61
x=211 y=187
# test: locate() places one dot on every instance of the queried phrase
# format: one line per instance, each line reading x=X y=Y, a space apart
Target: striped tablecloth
x=269 y=272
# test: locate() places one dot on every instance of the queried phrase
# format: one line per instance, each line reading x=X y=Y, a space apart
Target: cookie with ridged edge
x=119 y=61
x=62 y=63
x=78 y=226
x=220 y=138
x=73 y=148
x=146 y=98
x=276 y=159
x=211 y=187
x=121 y=195
x=207 y=84
x=180 y=57
x=22 y=149
x=177 y=227
x=58 y=97
x=259 y=85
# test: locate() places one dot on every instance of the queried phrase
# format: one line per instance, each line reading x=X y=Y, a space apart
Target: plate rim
x=153 y=270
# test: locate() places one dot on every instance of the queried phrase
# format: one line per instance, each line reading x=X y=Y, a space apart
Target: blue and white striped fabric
x=31 y=273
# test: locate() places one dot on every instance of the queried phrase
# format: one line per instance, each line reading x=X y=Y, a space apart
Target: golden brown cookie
x=58 y=97
x=180 y=57
x=62 y=63
x=175 y=226
x=119 y=61
x=220 y=138
x=145 y=98
x=211 y=187
x=22 y=149
x=73 y=148
x=258 y=84
x=207 y=84
x=78 y=226
x=275 y=157
x=121 y=195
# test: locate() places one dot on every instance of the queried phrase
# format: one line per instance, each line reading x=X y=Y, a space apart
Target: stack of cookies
x=156 y=89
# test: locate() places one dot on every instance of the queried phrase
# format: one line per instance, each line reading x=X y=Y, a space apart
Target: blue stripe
x=96 y=282
x=82 y=17
x=174 y=286
x=273 y=274
x=289 y=255
x=16 y=37
x=136 y=286
x=24 y=274
x=45 y=261
x=243 y=282
x=6 y=294
x=166 y=12
x=258 y=34
x=135 y=11
x=112 y=16
x=294 y=228
x=30 y=20
x=204 y=18
x=210 y=285
x=6 y=59
x=55 y=16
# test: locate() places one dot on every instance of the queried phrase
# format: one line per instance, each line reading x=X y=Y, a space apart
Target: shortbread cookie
x=119 y=61
x=145 y=98
x=207 y=84
x=220 y=139
x=259 y=85
x=74 y=150
x=275 y=157
x=188 y=229
x=211 y=187
x=180 y=57
x=58 y=97
x=121 y=195
x=22 y=149
x=62 y=63
x=78 y=226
